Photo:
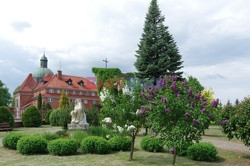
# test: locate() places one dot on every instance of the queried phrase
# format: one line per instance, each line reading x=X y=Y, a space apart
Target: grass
x=12 y=157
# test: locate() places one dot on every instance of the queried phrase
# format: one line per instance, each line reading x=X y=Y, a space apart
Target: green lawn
x=12 y=157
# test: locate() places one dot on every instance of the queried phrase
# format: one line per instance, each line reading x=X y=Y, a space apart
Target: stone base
x=73 y=126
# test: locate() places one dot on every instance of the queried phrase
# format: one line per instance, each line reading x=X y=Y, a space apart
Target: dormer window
x=81 y=83
x=69 y=82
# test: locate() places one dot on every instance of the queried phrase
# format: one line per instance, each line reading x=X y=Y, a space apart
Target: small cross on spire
x=106 y=62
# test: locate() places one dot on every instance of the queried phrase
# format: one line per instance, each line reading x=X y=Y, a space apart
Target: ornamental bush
x=6 y=116
x=203 y=151
x=63 y=147
x=47 y=116
x=151 y=144
x=32 y=145
x=31 y=117
x=54 y=118
x=95 y=144
x=10 y=140
x=62 y=133
x=118 y=143
x=79 y=135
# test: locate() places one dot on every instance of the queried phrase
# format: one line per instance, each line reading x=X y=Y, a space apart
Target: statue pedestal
x=78 y=126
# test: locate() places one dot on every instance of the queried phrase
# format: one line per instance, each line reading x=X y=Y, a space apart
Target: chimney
x=59 y=74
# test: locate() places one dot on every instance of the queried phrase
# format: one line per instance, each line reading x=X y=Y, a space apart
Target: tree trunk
x=174 y=156
x=132 y=147
x=146 y=131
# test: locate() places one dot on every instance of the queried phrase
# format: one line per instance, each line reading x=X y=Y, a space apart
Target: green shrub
x=32 y=145
x=203 y=151
x=31 y=117
x=49 y=136
x=79 y=135
x=62 y=133
x=6 y=116
x=151 y=144
x=93 y=116
x=63 y=147
x=47 y=116
x=65 y=116
x=118 y=143
x=95 y=144
x=10 y=140
x=99 y=131
x=54 y=118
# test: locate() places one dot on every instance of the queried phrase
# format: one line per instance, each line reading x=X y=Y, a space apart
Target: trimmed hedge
x=54 y=118
x=47 y=116
x=6 y=116
x=118 y=143
x=63 y=147
x=95 y=144
x=10 y=140
x=151 y=144
x=32 y=145
x=79 y=135
x=31 y=117
x=203 y=151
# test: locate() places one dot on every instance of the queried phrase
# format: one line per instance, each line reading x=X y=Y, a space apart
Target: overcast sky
x=213 y=38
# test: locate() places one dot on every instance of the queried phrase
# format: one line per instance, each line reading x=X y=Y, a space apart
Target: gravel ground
x=227 y=145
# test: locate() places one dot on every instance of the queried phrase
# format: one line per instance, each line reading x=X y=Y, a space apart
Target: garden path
x=1 y=142
x=227 y=145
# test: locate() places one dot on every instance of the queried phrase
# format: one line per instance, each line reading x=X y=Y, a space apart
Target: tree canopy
x=5 y=97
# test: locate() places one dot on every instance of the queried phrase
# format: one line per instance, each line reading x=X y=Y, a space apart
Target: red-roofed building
x=50 y=86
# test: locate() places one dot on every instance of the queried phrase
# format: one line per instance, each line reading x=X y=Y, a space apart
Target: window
x=81 y=83
x=66 y=91
x=86 y=93
x=50 y=100
x=94 y=102
x=93 y=94
x=51 y=90
x=58 y=91
x=85 y=101
x=69 y=82
x=74 y=92
x=80 y=93
x=16 y=102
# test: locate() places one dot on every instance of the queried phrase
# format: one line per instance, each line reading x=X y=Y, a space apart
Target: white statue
x=78 y=115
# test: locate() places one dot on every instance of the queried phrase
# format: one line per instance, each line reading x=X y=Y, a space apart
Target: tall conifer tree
x=158 y=54
x=39 y=102
x=64 y=101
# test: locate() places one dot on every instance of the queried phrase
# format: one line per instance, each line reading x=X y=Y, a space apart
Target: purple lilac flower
x=152 y=102
x=164 y=100
x=152 y=93
x=167 y=111
x=187 y=115
x=224 y=122
x=190 y=91
x=172 y=150
x=197 y=97
x=141 y=112
x=210 y=116
x=192 y=104
x=144 y=95
x=203 y=110
x=215 y=103
x=173 y=86
x=153 y=129
x=145 y=108
x=184 y=83
x=195 y=122
x=161 y=83
x=204 y=103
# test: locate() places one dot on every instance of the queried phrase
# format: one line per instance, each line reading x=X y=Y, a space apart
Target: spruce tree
x=157 y=54
x=64 y=101
x=39 y=102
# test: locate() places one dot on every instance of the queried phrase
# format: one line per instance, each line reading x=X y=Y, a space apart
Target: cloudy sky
x=213 y=38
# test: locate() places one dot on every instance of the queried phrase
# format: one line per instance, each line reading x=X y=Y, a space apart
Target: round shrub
x=47 y=116
x=54 y=118
x=10 y=140
x=32 y=145
x=95 y=144
x=6 y=116
x=120 y=143
x=203 y=151
x=63 y=147
x=151 y=144
x=31 y=117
